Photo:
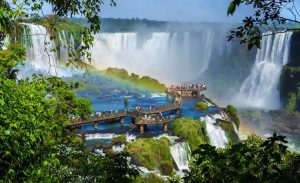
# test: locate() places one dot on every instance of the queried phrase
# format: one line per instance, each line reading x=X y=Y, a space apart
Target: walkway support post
x=142 y=129
x=122 y=120
x=165 y=127
x=96 y=126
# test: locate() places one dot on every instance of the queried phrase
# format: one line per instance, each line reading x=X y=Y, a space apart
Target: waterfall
x=5 y=43
x=40 y=52
x=130 y=138
x=99 y=136
x=181 y=155
x=160 y=55
x=118 y=149
x=67 y=45
x=63 y=49
x=215 y=133
x=237 y=131
x=260 y=89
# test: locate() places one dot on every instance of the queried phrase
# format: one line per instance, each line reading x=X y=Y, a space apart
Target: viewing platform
x=186 y=90
x=136 y=116
x=154 y=115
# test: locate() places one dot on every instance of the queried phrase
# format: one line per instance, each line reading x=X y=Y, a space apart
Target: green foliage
x=233 y=115
x=266 y=13
x=11 y=11
x=33 y=144
x=227 y=126
x=143 y=82
x=166 y=168
x=151 y=178
x=85 y=167
x=291 y=104
x=290 y=89
x=14 y=55
x=119 y=140
x=193 y=131
x=252 y=160
x=152 y=154
x=201 y=106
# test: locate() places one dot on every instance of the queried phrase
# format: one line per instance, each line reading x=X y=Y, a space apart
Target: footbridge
x=186 y=91
x=138 y=117
x=142 y=118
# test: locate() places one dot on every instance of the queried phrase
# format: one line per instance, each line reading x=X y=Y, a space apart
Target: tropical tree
x=12 y=11
x=252 y=160
x=126 y=103
x=34 y=145
x=269 y=15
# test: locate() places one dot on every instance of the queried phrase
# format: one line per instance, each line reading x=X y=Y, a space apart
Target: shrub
x=201 y=106
x=227 y=126
x=232 y=113
x=152 y=178
x=193 y=131
x=119 y=140
x=149 y=153
x=166 y=168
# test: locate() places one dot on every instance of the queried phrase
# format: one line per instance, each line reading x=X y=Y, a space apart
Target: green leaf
x=1 y=102
x=7 y=132
x=231 y=8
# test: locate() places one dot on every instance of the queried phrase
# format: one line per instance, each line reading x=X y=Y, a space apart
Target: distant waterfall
x=215 y=133
x=5 y=43
x=168 y=56
x=181 y=153
x=66 y=46
x=40 y=52
x=260 y=89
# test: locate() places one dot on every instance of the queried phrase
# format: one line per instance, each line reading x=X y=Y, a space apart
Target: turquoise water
x=114 y=102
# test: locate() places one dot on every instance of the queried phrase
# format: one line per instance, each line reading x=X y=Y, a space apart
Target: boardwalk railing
x=163 y=108
x=106 y=117
x=132 y=114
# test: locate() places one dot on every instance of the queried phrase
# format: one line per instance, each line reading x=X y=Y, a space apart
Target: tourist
x=176 y=100
x=160 y=115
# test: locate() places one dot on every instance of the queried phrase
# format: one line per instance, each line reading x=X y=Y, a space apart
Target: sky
x=174 y=10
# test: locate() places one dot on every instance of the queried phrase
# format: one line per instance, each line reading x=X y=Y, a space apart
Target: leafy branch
x=267 y=14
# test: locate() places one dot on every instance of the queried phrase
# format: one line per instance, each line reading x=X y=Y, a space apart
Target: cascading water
x=160 y=55
x=5 y=43
x=99 y=136
x=39 y=52
x=260 y=89
x=66 y=45
x=215 y=133
x=181 y=154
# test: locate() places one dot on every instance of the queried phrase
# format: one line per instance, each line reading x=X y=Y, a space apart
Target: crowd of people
x=113 y=112
x=189 y=86
x=153 y=118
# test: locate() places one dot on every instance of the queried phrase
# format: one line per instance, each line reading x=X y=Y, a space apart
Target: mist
x=176 y=53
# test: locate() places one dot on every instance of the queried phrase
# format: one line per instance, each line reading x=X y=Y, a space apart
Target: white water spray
x=215 y=133
x=260 y=89
x=160 y=55
x=41 y=54
x=181 y=153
